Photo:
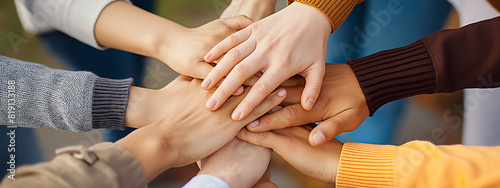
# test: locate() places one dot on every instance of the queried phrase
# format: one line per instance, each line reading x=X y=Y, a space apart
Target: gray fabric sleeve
x=36 y=96
x=102 y=165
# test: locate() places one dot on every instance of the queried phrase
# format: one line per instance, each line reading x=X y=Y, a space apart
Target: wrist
x=137 y=114
x=313 y=16
x=162 y=40
x=149 y=150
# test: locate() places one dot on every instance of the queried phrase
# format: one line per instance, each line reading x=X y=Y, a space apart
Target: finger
x=269 y=103
x=238 y=22
x=294 y=81
x=235 y=79
x=183 y=78
x=239 y=91
x=314 y=81
x=289 y=116
x=228 y=43
x=233 y=57
x=266 y=139
x=269 y=81
x=294 y=95
x=251 y=81
x=201 y=69
x=328 y=129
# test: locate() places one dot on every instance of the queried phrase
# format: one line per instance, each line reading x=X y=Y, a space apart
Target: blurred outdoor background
x=426 y=118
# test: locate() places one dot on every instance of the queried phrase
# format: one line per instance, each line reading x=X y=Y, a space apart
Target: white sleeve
x=206 y=181
x=76 y=18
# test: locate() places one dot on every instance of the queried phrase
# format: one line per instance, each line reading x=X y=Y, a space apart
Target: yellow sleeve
x=418 y=164
x=335 y=10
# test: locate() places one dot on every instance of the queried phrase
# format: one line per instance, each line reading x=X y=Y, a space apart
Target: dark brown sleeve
x=446 y=61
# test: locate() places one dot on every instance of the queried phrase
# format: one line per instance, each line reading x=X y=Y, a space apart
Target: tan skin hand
x=185 y=133
x=341 y=106
x=254 y=9
x=238 y=163
x=291 y=143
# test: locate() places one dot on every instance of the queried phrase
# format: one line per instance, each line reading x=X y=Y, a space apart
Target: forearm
x=418 y=164
x=37 y=96
x=336 y=11
x=126 y=27
x=254 y=9
x=442 y=62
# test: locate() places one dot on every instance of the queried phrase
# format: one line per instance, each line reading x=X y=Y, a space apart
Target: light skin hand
x=126 y=27
x=341 y=106
x=238 y=163
x=187 y=133
x=320 y=163
x=289 y=42
x=254 y=9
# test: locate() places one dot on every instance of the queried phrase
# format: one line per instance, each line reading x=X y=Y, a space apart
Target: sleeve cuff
x=109 y=103
x=366 y=165
x=81 y=20
x=395 y=74
x=336 y=10
x=205 y=180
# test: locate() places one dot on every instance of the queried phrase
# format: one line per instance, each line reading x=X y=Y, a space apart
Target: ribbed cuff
x=109 y=103
x=335 y=10
x=395 y=74
x=366 y=165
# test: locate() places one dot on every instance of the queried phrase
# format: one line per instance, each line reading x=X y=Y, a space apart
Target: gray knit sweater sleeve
x=36 y=96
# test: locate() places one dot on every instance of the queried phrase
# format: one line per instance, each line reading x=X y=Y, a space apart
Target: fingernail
x=310 y=102
x=211 y=103
x=206 y=83
x=318 y=138
x=208 y=56
x=236 y=115
x=281 y=93
x=239 y=90
x=254 y=124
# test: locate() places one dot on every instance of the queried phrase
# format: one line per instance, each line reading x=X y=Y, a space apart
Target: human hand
x=341 y=106
x=291 y=41
x=320 y=162
x=254 y=9
x=187 y=133
x=184 y=52
x=238 y=163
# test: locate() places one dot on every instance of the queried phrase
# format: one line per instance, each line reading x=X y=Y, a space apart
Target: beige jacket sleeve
x=102 y=165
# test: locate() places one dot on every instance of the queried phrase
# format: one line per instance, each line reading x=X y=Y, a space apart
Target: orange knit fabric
x=335 y=10
x=418 y=164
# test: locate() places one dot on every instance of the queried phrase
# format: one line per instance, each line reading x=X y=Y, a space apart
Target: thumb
x=200 y=70
x=238 y=22
x=314 y=81
x=328 y=129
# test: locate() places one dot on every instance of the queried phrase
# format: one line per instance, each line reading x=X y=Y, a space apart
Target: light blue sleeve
x=206 y=181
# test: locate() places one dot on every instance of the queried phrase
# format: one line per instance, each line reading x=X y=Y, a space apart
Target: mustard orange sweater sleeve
x=418 y=164
x=335 y=10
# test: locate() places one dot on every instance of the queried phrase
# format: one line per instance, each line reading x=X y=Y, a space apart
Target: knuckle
x=241 y=70
x=261 y=88
x=233 y=38
x=222 y=91
x=290 y=113
x=234 y=53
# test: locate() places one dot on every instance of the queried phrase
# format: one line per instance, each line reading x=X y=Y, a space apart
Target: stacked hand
x=291 y=41
x=254 y=9
x=320 y=163
x=341 y=106
x=184 y=131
